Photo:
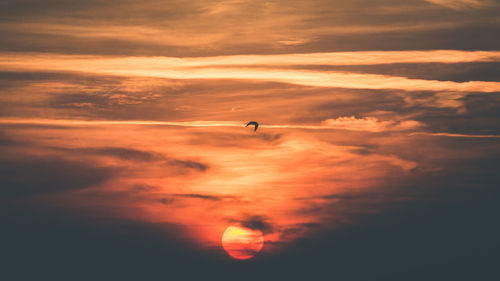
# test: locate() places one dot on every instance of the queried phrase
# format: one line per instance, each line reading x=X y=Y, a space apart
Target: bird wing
x=253 y=123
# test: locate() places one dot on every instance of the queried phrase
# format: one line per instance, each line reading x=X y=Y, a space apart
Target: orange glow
x=129 y=116
x=182 y=69
x=241 y=242
x=248 y=175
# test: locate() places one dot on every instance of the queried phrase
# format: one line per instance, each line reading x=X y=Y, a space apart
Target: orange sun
x=241 y=242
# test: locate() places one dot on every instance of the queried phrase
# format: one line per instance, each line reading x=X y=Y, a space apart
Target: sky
x=124 y=152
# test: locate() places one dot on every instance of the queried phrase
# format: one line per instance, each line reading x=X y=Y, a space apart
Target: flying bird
x=253 y=123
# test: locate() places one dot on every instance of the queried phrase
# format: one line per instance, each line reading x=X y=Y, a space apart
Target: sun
x=242 y=243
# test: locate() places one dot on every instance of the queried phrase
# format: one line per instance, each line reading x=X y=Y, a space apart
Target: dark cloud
x=88 y=96
x=188 y=164
x=452 y=112
x=446 y=226
x=454 y=235
x=478 y=117
x=257 y=222
x=167 y=201
x=121 y=152
x=354 y=196
x=31 y=41
x=131 y=154
x=458 y=72
x=341 y=104
x=199 y=196
x=30 y=175
x=8 y=141
x=389 y=25
x=426 y=239
x=279 y=243
x=139 y=155
x=111 y=11
x=232 y=138
x=363 y=151
x=477 y=37
x=310 y=225
x=78 y=100
x=33 y=76
x=144 y=187
x=57 y=243
x=290 y=231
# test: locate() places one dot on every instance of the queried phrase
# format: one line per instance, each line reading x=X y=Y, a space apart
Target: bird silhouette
x=253 y=123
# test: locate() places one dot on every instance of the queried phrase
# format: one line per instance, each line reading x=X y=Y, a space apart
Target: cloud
x=354 y=196
x=457 y=72
x=132 y=154
x=5 y=140
x=438 y=100
x=455 y=135
x=148 y=126
x=24 y=176
x=189 y=164
x=198 y=28
x=121 y=153
x=270 y=60
x=257 y=222
x=370 y=124
x=144 y=187
x=199 y=196
x=352 y=123
x=462 y=4
x=42 y=235
x=161 y=68
x=167 y=201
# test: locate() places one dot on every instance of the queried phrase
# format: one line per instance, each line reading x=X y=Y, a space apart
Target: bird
x=253 y=123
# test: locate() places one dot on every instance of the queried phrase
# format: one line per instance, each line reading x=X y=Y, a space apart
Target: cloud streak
x=162 y=68
x=455 y=135
x=462 y=4
x=293 y=59
x=367 y=124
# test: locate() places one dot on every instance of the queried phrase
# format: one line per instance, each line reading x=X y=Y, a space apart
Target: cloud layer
x=123 y=150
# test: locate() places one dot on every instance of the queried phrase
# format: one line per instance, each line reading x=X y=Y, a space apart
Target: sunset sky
x=124 y=152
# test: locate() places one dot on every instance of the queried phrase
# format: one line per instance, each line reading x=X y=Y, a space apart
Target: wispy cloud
x=351 y=123
x=368 y=124
x=455 y=135
x=319 y=58
x=462 y=4
x=161 y=68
